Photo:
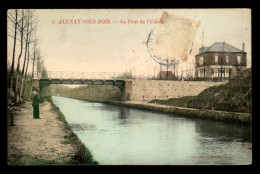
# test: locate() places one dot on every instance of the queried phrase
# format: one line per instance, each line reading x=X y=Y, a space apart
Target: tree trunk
x=18 y=63
x=33 y=69
x=13 y=58
x=28 y=59
x=25 y=54
x=25 y=75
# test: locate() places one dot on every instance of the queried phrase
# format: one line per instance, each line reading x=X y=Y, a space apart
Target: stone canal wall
x=233 y=117
x=146 y=90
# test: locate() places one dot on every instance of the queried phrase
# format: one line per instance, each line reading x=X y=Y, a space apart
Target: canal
x=120 y=135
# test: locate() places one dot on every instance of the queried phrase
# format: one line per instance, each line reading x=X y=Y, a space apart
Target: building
x=165 y=75
x=220 y=61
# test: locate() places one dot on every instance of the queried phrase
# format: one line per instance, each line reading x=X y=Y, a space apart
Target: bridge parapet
x=82 y=75
x=80 y=81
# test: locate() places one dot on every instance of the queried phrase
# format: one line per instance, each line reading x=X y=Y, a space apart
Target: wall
x=126 y=94
x=145 y=90
x=232 y=117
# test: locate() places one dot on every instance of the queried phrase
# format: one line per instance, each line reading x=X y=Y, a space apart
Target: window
x=221 y=72
x=216 y=59
x=227 y=59
x=215 y=72
x=238 y=59
x=201 y=61
x=227 y=72
x=201 y=73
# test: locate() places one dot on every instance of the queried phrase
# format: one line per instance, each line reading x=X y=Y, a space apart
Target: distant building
x=162 y=75
x=220 y=61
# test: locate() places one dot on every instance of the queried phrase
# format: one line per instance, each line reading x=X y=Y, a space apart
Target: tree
x=32 y=26
x=33 y=59
x=13 y=23
x=175 y=64
x=44 y=72
x=28 y=55
x=39 y=64
x=21 y=28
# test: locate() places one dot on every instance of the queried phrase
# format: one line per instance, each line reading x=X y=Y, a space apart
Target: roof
x=164 y=74
x=220 y=47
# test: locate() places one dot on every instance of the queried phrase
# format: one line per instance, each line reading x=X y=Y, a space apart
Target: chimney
x=243 y=47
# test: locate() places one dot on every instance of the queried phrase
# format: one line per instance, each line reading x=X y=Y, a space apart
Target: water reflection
x=122 y=135
x=123 y=112
x=223 y=131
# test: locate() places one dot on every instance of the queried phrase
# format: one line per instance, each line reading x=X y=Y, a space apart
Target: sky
x=119 y=46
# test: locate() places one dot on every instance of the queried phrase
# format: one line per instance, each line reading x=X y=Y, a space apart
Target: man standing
x=35 y=104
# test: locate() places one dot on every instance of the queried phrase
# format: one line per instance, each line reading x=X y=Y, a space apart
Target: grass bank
x=234 y=96
x=82 y=155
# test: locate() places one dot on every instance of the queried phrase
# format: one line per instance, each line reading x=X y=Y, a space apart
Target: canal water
x=120 y=135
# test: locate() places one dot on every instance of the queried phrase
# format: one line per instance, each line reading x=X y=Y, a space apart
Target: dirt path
x=38 y=141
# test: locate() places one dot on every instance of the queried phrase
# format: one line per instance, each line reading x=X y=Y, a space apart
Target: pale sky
x=117 y=47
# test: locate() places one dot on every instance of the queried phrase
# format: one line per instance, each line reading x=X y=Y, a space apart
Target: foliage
x=102 y=92
x=27 y=90
x=44 y=72
x=236 y=95
x=124 y=76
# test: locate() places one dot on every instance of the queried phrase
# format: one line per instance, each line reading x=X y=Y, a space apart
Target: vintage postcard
x=129 y=87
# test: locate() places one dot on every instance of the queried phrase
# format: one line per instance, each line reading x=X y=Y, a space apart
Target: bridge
x=117 y=79
x=131 y=88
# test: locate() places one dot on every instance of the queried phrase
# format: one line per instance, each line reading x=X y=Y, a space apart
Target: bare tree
x=32 y=26
x=36 y=55
x=13 y=23
x=44 y=72
x=39 y=65
x=175 y=64
x=21 y=28
x=30 y=40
